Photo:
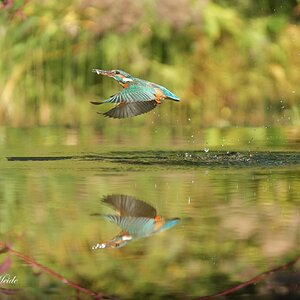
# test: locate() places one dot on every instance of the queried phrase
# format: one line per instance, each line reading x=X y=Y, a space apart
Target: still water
x=200 y=212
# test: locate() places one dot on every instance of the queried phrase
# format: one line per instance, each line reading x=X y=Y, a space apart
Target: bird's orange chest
x=159 y=95
x=159 y=221
x=124 y=85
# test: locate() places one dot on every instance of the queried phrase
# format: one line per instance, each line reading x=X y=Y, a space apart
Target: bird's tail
x=174 y=99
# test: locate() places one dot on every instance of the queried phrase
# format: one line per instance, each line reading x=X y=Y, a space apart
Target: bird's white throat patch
x=126 y=79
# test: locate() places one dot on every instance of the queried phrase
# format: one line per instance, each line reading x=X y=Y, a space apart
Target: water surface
x=239 y=216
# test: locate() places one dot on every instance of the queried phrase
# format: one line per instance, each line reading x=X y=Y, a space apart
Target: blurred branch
x=251 y=281
x=34 y=263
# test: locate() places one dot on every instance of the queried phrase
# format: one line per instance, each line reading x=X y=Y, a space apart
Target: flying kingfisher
x=137 y=97
x=136 y=219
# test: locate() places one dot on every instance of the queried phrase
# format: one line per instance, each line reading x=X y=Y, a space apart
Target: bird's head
x=119 y=75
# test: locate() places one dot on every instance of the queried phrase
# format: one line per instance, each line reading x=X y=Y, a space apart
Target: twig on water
x=5 y=248
x=251 y=281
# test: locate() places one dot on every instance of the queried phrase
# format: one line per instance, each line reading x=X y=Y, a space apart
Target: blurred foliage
x=232 y=62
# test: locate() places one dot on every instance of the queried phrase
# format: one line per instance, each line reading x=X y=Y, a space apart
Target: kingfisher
x=137 y=219
x=137 y=97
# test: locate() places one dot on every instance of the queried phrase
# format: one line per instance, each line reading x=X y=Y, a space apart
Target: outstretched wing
x=130 y=206
x=131 y=94
x=135 y=227
x=132 y=109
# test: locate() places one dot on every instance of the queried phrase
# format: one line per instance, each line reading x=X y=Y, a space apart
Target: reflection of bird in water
x=136 y=218
x=138 y=96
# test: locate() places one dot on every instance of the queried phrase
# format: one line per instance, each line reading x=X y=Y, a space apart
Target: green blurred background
x=233 y=62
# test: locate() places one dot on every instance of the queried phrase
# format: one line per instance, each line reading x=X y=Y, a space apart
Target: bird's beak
x=103 y=72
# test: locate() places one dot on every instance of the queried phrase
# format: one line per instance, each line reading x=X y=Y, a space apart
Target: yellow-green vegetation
x=232 y=62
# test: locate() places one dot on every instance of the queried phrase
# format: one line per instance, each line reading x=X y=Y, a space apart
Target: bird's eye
x=117 y=72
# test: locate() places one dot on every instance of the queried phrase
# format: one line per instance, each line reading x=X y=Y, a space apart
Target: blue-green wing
x=127 y=110
x=136 y=227
x=131 y=94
